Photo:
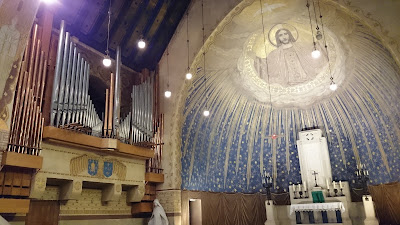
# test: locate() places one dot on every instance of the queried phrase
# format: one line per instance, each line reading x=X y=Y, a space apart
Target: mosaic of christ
x=290 y=63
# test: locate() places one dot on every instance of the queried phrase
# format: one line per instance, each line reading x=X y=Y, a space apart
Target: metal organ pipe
x=72 y=107
x=27 y=122
x=117 y=96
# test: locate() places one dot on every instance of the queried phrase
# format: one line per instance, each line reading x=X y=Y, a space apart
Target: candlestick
x=340 y=184
x=305 y=186
x=334 y=185
x=299 y=187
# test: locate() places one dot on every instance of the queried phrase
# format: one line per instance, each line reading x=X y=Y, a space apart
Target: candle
x=265 y=173
x=334 y=185
x=327 y=183
x=367 y=173
x=263 y=180
x=357 y=173
x=340 y=184
x=299 y=187
x=305 y=186
x=294 y=188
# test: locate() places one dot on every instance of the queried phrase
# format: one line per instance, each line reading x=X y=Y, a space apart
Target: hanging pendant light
x=316 y=53
x=206 y=112
x=167 y=93
x=107 y=59
x=141 y=43
x=333 y=86
x=188 y=74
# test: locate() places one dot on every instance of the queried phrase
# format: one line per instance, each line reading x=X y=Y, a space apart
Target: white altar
x=333 y=204
x=314 y=157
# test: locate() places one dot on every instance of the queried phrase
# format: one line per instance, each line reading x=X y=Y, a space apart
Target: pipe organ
x=71 y=106
x=73 y=109
x=27 y=123
x=138 y=125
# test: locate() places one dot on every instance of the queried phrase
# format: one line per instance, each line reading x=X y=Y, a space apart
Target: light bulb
x=167 y=94
x=188 y=76
x=141 y=44
x=333 y=86
x=316 y=54
x=206 y=113
x=107 y=61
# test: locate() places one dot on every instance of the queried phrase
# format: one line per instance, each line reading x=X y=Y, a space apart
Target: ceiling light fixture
x=206 y=112
x=107 y=59
x=315 y=53
x=141 y=43
x=333 y=86
x=188 y=74
x=167 y=93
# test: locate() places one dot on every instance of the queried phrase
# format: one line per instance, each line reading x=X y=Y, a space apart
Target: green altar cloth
x=317 y=197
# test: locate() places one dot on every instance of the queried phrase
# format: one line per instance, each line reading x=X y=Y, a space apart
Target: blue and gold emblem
x=93 y=166
x=108 y=169
x=100 y=167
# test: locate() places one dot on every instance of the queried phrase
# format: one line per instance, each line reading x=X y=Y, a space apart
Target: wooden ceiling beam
x=130 y=46
x=99 y=31
x=124 y=24
x=164 y=33
x=151 y=26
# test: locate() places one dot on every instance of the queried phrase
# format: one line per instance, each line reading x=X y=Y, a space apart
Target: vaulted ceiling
x=153 y=20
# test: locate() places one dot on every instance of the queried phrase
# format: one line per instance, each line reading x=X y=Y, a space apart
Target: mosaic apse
x=257 y=85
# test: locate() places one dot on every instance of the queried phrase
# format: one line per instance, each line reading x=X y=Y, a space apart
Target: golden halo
x=276 y=27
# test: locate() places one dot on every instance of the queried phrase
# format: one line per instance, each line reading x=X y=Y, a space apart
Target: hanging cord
x=266 y=58
x=315 y=15
x=204 y=54
x=312 y=32
x=108 y=27
x=325 y=44
x=167 y=69
x=187 y=38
